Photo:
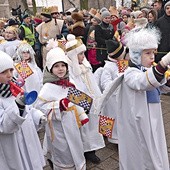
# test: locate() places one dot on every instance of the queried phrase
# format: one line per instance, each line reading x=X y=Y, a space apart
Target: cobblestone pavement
x=109 y=154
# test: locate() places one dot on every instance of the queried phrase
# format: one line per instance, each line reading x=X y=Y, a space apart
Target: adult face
x=167 y=10
x=9 y=35
x=150 y=18
x=107 y=19
x=157 y=6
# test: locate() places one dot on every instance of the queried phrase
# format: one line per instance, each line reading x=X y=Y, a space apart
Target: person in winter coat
x=81 y=72
x=104 y=31
x=163 y=24
x=142 y=143
x=20 y=147
x=63 y=139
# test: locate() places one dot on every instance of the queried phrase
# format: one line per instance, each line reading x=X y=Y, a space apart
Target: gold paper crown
x=92 y=11
x=46 y=10
x=78 y=44
x=53 y=9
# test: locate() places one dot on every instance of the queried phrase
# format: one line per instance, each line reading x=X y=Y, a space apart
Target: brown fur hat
x=77 y=16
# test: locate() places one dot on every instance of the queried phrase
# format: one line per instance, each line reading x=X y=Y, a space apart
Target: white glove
x=43 y=120
x=20 y=99
x=166 y=59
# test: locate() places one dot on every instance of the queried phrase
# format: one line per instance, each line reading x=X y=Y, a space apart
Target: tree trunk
x=34 y=7
x=98 y=4
x=84 y=4
x=24 y=2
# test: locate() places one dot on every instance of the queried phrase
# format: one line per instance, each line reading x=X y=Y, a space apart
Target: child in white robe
x=81 y=72
x=26 y=53
x=62 y=132
x=142 y=143
x=111 y=70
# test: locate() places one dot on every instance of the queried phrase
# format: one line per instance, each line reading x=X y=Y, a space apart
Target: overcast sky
x=50 y=3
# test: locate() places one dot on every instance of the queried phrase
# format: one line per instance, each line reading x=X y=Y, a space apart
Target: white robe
x=34 y=81
x=92 y=139
x=20 y=147
x=10 y=47
x=142 y=143
x=110 y=72
x=66 y=148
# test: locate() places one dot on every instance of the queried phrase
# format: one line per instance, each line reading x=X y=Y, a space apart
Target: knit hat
x=46 y=12
x=167 y=4
x=135 y=14
x=6 y=62
x=114 y=48
x=105 y=14
x=103 y=9
x=55 y=55
x=140 y=22
x=138 y=40
x=25 y=15
x=74 y=46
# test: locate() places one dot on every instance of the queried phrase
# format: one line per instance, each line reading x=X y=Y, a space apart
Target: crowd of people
x=84 y=76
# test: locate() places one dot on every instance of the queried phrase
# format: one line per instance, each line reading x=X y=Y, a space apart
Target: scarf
x=51 y=78
x=5 y=90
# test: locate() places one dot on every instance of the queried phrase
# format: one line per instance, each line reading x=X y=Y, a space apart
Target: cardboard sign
x=23 y=69
x=79 y=98
x=122 y=65
x=106 y=125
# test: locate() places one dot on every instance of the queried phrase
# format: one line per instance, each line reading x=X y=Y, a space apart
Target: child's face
x=6 y=76
x=148 y=57
x=81 y=57
x=26 y=56
x=59 y=69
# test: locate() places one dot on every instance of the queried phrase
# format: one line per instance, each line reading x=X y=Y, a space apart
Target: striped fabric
x=5 y=90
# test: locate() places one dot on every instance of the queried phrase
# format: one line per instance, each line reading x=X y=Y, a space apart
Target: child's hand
x=43 y=120
x=64 y=104
x=20 y=99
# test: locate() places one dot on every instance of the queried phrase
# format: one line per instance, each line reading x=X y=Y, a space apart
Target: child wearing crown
x=26 y=68
x=81 y=73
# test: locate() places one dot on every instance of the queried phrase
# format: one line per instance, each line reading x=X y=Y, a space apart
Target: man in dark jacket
x=163 y=24
x=104 y=31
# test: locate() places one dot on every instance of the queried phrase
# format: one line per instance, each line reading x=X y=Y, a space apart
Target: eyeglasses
x=9 y=32
x=55 y=13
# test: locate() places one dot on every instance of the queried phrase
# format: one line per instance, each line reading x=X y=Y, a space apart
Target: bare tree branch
x=70 y=1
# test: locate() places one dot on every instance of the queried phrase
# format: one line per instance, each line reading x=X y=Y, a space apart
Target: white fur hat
x=6 y=62
x=138 y=40
x=74 y=46
x=55 y=55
